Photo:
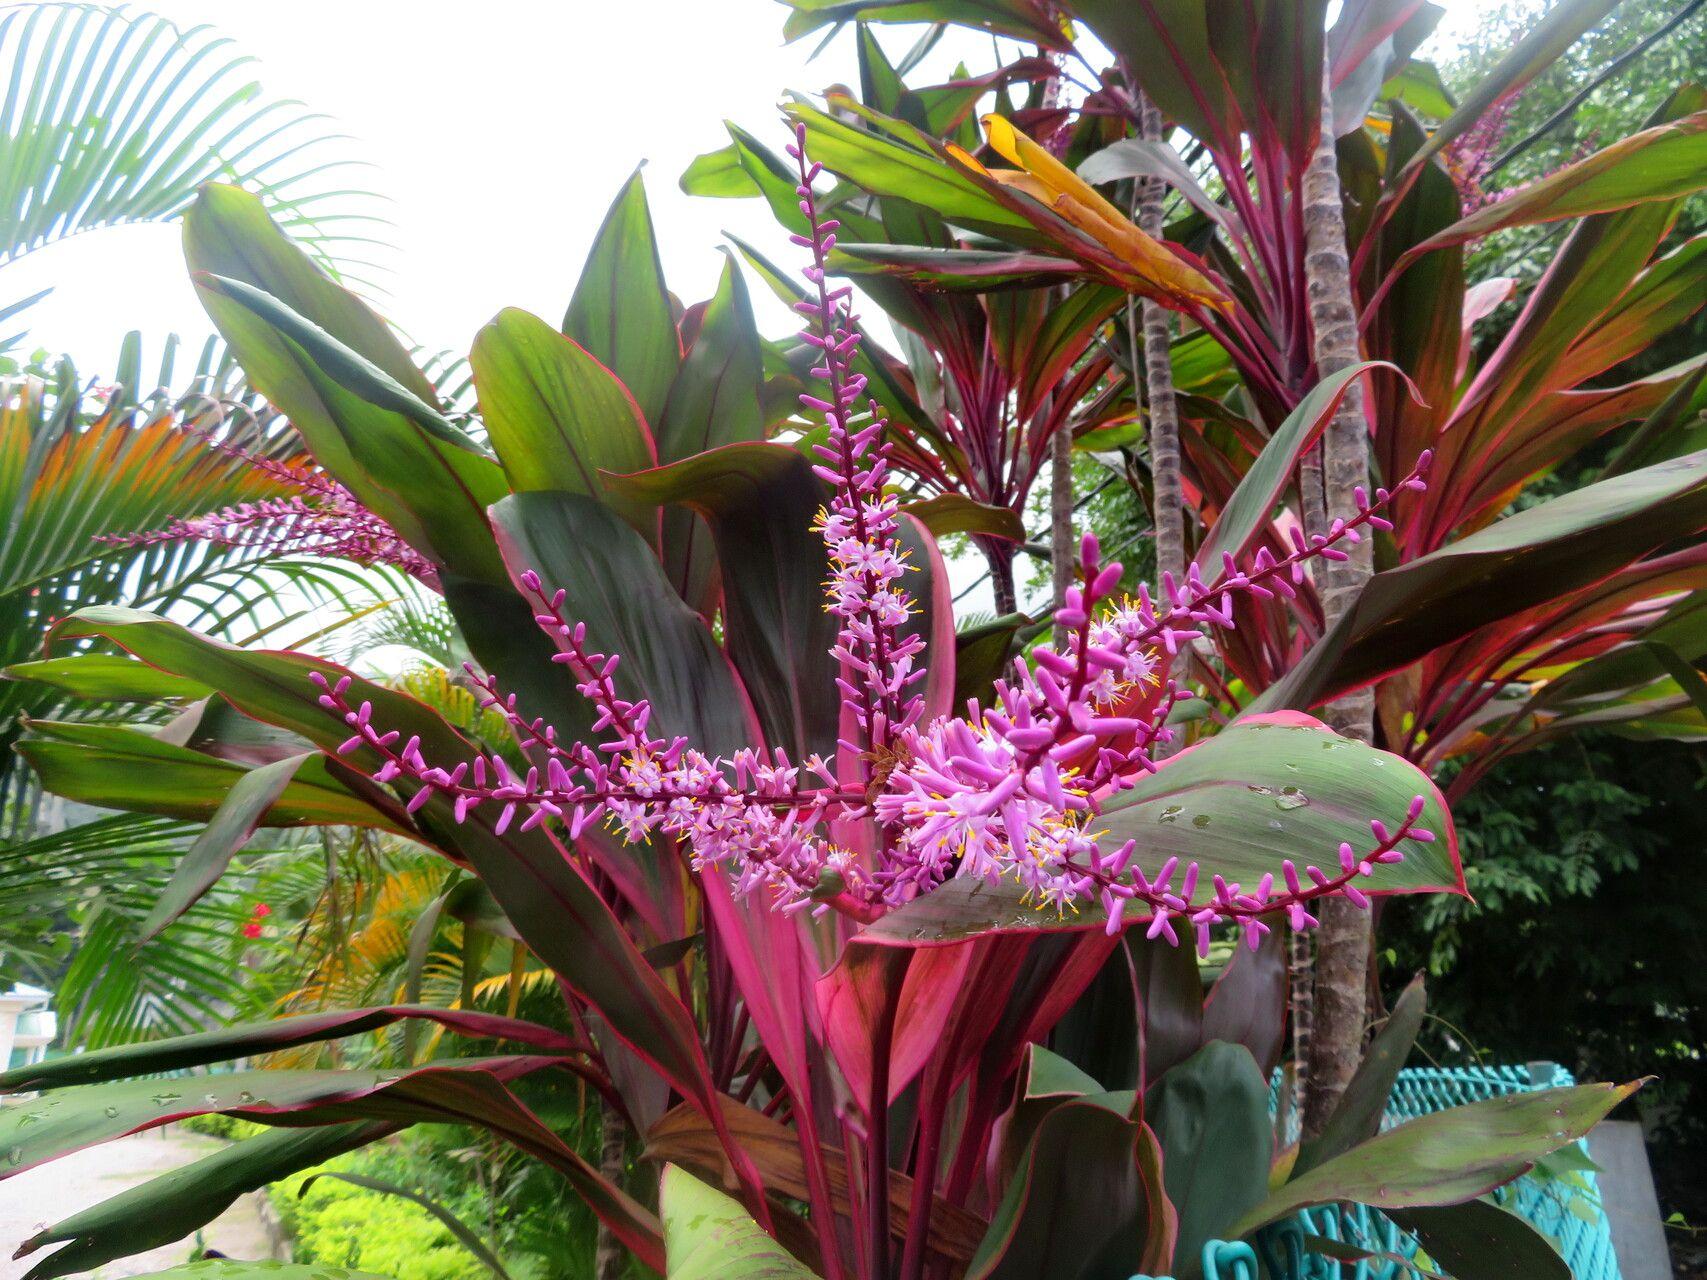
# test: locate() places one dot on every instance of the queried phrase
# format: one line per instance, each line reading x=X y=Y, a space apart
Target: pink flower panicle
x=860 y=525
x=320 y=518
x=1009 y=791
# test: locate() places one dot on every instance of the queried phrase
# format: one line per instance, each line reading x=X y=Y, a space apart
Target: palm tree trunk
x=1343 y=944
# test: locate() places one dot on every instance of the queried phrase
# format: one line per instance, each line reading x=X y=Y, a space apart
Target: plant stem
x=1343 y=943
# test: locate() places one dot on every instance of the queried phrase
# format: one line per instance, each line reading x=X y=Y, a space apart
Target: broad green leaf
x=556 y=416
x=68 y=1120
x=122 y=768
x=708 y=1236
x=239 y=815
x=404 y=458
x=102 y=677
x=615 y=585
x=1662 y=163
x=982 y=654
x=718 y=174
x=1210 y=1115
x=760 y=501
x=1247 y=1004
x=1356 y=1117
x=1478 y=1240
x=714 y=401
x=205 y=1048
x=1407 y=612
x=887 y=166
x=1448 y=1156
x=168 y=1208
x=621 y=310
x=1239 y=803
x=422 y=476
x=956 y=513
x=1077 y=1206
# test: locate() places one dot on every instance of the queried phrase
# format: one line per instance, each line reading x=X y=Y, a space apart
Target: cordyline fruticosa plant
x=1484 y=632
x=813 y=925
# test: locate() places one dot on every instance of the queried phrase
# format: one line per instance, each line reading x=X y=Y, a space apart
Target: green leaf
x=1077 y=1206
x=1285 y=786
x=982 y=654
x=556 y=416
x=1447 y=1156
x=1356 y=1117
x=107 y=678
x=714 y=401
x=1538 y=554
x=1253 y=502
x=204 y=1048
x=121 y=768
x=615 y=585
x=708 y=1236
x=886 y=166
x=718 y=174
x=956 y=513
x=1662 y=163
x=122 y=116
x=242 y=811
x=465 y=1235
x=759 y=501
x=1210 y=1114
x=621 y=310
x=318 y=353
x=169 y=1207
x=70 y=1119
x=1478 y=1240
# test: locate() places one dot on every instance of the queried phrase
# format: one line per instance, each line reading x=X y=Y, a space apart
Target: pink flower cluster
x=1010 y=791
x=318 y=518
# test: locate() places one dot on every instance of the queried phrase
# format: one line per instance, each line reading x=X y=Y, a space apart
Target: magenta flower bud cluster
x=1010 y=791
x=320 y=518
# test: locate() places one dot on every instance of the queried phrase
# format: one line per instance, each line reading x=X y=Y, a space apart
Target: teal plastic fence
x=1570 y=1216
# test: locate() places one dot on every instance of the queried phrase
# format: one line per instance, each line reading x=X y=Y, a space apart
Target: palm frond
x=111 y=116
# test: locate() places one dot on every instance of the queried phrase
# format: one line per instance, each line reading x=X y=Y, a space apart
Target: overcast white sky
x=500 y=130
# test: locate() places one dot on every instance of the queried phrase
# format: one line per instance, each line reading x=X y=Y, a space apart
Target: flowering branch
x=1009 y=791
x=319 y=518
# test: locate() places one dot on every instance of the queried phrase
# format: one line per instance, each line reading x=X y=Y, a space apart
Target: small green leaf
x=708 y=1236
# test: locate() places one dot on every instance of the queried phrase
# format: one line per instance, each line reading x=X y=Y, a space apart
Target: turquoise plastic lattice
x=1579 y=1229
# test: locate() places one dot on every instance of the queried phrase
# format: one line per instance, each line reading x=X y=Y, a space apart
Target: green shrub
x=216 y=1125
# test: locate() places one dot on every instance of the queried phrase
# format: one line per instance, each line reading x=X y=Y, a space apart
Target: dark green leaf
x=1356 y=1117
x=1210 y=1115
x=1447 y=1156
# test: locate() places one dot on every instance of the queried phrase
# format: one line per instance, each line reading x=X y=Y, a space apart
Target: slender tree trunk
x=1342 y=946
x=1159 y=377
x=999 y=556
x=1167 y=492
x=610 y=1258
x=1063 y=556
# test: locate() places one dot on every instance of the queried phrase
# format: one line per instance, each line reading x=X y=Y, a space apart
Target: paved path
x=53 y=1191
